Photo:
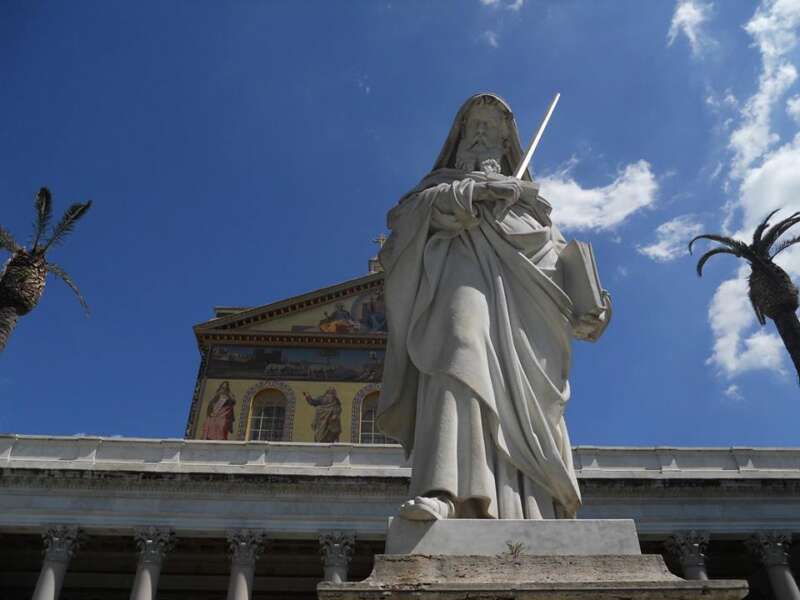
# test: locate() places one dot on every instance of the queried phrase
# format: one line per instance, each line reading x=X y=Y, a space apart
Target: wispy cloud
x=733 y=392
x=688 y=20
x=773 y=28
x=793 y=108
x=513 y=5
x=363 y=84
x=490 y=37
x=577 y=207
x=672 y=238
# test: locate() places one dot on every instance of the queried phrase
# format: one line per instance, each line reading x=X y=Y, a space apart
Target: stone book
x=581 y=280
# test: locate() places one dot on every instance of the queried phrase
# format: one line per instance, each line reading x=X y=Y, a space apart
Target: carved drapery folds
x=689 y=547
x=153 y=544
x=336 y=548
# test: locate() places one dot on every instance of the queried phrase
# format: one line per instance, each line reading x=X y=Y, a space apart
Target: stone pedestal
x=519 y=560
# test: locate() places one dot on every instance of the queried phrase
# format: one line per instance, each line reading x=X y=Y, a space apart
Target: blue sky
x=239 y=153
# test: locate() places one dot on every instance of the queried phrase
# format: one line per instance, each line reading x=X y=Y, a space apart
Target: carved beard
x=473 y=156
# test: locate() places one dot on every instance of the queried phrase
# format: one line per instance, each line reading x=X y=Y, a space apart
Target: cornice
x=211 y=484
x=375 y=340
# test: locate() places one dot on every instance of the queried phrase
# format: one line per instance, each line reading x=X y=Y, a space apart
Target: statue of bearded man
x=478 y=355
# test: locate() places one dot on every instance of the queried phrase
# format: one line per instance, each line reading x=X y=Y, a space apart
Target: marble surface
x=488 y=537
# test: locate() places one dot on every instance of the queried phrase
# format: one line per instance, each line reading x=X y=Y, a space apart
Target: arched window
x=268 y=416
x=368 y=433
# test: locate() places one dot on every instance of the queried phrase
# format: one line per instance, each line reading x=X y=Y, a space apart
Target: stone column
x=245 y=548
x=60 y=543
x=153 y=544
x=336 y=548
x=771 y=548
x=689 y=547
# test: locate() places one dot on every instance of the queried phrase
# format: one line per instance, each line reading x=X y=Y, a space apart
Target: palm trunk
x=789 y=330
x=8 y=320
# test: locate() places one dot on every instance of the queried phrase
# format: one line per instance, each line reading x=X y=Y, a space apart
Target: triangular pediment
x=353 y=307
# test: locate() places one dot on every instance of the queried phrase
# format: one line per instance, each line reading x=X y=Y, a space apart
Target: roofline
x=247 y=315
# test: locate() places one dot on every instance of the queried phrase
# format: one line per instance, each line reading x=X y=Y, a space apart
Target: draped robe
x=478 y=355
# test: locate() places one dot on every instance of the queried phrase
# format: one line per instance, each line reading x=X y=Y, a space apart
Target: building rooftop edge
x=175 y=456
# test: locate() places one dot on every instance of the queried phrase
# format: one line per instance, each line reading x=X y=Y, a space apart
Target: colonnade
x=245 y=546
x=768 y=548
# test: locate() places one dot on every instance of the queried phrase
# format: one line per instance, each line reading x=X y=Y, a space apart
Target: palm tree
x=771 y=291
x=23 y=277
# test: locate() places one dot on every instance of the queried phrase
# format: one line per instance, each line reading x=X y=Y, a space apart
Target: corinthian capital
x=771 y=548
x=336 y=548
x=245 y=546
x=689 y=547
x=61 y=542
x=153 y=544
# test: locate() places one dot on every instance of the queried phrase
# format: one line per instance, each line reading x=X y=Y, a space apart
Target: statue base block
x=490 y=537
x=520 y=560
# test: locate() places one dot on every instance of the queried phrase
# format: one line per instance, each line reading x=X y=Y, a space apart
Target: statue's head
x=483 y=138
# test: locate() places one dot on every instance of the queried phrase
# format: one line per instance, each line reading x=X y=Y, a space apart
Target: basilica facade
x=282 y=479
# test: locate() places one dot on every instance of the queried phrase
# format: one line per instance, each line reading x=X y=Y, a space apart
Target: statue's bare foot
x=423 y=508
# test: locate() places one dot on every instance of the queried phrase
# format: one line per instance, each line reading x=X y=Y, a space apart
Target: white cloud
x=733 y=392
x=490 y=37
x=754 y=137
x=576 y=207
x=730 y=315
x=688 y=19
x=773 y=28
x=490 y=2
x=775 y=183
x=793 y=108
x=672 y=238
x=515 y=5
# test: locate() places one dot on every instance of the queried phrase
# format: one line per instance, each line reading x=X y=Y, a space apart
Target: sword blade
x=523 y=166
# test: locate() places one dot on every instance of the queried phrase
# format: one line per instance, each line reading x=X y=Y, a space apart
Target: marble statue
x=478 y=355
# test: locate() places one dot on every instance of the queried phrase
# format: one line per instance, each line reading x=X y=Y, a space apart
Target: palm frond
x=7 y=241
x=776 y=231
x=784 y=245
x=62 y=274
x=762 y=226
x=67 y=223
x=44 y=213
x=704 y=259
x=731 y=243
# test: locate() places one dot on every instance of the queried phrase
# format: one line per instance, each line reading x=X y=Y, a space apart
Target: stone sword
x=523 y=166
